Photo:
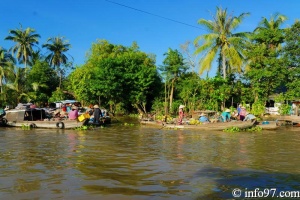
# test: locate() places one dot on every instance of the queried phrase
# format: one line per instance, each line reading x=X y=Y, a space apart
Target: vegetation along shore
x=252 y=66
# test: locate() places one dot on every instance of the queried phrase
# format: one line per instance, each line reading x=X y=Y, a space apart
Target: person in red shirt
x=181 y=114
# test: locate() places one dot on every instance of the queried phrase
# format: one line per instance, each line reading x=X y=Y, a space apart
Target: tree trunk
x=166 y=105
x=224 y=65
x=171 y=94
x=1 y=84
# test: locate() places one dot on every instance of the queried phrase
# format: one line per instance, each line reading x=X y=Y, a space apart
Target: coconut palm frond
x=205 y=62
x=236 y=21
x=208 y=24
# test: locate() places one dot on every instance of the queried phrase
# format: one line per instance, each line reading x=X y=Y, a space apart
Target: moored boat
x=268 y=125
x=218 y=126
x=289 y=119
x=37 y=118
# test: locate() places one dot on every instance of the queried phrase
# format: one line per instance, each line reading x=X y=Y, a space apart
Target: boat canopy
x=25 y=115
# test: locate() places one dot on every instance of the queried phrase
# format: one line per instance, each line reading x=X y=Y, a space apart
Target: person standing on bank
x=97 y=114
x=181 y=114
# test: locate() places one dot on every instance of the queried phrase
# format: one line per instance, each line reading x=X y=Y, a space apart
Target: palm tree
x=6 y=66
x=221 y=40
x=25 y=41
x=18 y=84
x=57 y=47
x=271 y=30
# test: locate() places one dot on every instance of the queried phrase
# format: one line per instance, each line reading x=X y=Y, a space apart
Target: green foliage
x=258 y=108
x=25 y=41
x=265 y=73
x=237 y=129
x=232 y=129
x=221 y=40
x=128 y=124
x=158 y=106
x=284 y=108
x=57 y=47
x=57 y=95
x=42 y=79
x=122 y=77
x=291 y=55
x=26 y=127
x=254 y=129
x=173 y=68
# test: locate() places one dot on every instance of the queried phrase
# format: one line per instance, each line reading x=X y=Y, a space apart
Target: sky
x=155 y=25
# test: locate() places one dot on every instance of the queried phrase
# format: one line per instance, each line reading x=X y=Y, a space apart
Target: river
x=132 y=162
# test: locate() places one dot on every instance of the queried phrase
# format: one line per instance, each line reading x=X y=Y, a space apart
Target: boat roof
x=24 y=109
x=67 y=101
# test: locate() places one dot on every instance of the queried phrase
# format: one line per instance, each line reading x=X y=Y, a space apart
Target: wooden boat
x=218 y=126
x=37 y=118
x=291 y=119
x=102 y=121
x=268 y=125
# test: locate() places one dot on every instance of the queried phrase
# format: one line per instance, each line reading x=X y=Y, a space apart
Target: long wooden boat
x=289 y=118
x=218 y=126
x=36 y=118
x=268 y=125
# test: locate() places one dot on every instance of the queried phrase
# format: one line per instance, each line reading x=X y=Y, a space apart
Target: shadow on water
x=241 y=183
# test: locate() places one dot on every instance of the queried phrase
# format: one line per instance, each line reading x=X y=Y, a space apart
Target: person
x=181 y=114
x=235 y=115
x=2 y=111
x=249 y=116
x=57 y=115
x=73 y=114
x=239 y=109
x=203 y=118
x=226 y=115
x=64 y=107
x=243 y=113
x=97 y=114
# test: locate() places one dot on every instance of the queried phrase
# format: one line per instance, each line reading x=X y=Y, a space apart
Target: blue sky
x=83 y=22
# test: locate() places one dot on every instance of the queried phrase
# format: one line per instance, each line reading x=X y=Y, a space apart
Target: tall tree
x=267 y=72
x=25 y=41
x=291 y=53
x=6 y=66
x=269 y=31
x=57 y=47
x=173 y=67
x=221 y=39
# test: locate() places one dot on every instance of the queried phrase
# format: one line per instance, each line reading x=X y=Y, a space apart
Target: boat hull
x=63 y=124
x=271 y=125
x=219 y=126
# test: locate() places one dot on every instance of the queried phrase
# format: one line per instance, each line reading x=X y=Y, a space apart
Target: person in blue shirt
x=239 y=109
x=203 y=118
x=226 y=115
x=2 y=111
x=250 y=117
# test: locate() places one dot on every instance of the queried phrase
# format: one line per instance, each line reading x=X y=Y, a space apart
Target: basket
x=82 y=117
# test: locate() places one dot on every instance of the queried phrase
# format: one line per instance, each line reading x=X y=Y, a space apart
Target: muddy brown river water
x=132 y=162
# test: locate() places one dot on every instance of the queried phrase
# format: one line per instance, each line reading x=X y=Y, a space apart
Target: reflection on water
x=121 y=162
